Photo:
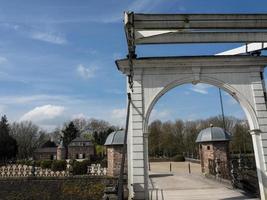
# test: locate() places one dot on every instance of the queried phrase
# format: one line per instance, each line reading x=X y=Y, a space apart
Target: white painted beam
x=248 y=48
x=195 y=28
x=200 y=21
x=203 y=37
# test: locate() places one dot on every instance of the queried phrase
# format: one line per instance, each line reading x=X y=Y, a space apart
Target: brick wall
x=45 y=156
x=213 y=150
x=114 y=154
x=73 y=151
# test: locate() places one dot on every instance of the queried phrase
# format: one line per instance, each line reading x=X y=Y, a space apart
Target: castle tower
x=114 y=145
x=61 y=151
x=214 y=151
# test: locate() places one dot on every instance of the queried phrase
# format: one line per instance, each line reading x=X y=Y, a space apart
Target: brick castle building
x=114 y=145
x=214 y=150
x=79 y=148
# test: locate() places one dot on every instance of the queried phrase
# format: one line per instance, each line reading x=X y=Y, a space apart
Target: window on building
x=77 y=156
x=81 y=156
x=208 y=147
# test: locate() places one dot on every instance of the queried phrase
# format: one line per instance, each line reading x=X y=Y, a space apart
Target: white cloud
x=159 y=114
x=2 y=108
x=42 y=113
x=118 y=116
x=117 y=56
x=79 y=116
x=144 y=6
x=136 y=6
x=200 y=88
x=86 y=72
x=37 y=33
x=39 y=98
x=3 y=59
x=192 y=117
x=229 y=99
x=49 y=37
x=115 y=91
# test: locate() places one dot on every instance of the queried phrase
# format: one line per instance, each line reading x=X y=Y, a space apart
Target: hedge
x=59 y=165
x=79 y=168
x=46 y=164
x=49 y=188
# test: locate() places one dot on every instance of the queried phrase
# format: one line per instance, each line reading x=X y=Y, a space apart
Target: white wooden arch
x=240 y=76
x=245 y=105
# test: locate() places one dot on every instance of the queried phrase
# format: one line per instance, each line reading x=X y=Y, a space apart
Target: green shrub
x=24 y=162
x=38 y=163
x=82 y=189
x=20 y=162
x=46 y=164
x=80 y=168
x=104 y=162
x=58 y=165
x=178 y=158
x=86 y=162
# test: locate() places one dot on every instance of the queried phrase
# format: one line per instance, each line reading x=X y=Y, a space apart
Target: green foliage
x=49 y=143
x=58 y=165
x=24 y=162
x=8 y=145
x=101 y=136
x=100 y=150
x=241 y=139
x=80 y=168
x=70 y=132
x=104 y=162
x=88 y=136
x=46 y=164
x=83 y=190
x=167 y=139
x=65 y=188
x=178 y=158
x=38 y=163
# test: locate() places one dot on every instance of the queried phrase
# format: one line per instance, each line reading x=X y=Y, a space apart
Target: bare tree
x=28 y=137
x=171 y=138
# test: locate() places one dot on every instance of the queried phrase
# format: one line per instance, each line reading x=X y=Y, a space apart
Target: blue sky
x=57 y=60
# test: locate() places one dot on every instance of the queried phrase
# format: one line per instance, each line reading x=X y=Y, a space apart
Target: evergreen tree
x=70 y=132
x=8 y=145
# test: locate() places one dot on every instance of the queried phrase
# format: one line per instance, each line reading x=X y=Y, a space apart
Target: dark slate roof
x=49 y=143
x=80 y=139
x=115 y=138
x=47 y=150
x=212 y=134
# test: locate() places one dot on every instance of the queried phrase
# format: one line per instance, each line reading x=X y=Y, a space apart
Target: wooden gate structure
x=151 y=77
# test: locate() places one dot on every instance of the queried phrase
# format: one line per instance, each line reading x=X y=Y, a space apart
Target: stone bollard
x=217 y=168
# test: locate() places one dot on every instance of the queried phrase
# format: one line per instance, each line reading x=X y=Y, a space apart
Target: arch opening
x=244 y=104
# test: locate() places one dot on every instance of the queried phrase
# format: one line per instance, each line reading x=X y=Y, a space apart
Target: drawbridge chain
x=129 y=30
x=124 y=150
